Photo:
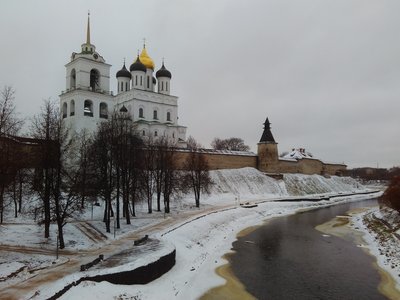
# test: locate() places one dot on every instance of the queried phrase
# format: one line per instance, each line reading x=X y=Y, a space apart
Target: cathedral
x=88 y=99
x=146 y=98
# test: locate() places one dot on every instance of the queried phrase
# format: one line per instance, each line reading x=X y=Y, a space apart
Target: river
x=287 y=258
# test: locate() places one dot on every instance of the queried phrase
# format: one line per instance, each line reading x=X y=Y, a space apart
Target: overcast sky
x=325 y=72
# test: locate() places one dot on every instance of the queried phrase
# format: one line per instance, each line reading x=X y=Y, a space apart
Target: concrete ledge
x=140 y=275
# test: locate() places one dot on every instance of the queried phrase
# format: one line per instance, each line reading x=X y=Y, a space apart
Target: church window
x=135 y=79
x=148 y=82
x=155 y=133
x=173 y=135
x=141 y=80
x=73 y=80
x=88 y=108
x=103 y=110
x=122 y=86
x=94 y=79
x=166 y=86
x=168 y=116
x=72 y=108
x=126 y=86
x=144 y=133
x=141 y=113
x=162 y=85
x=64 y=110
x=155 y=117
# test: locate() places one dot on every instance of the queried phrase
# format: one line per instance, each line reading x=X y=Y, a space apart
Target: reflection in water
x=289 y=259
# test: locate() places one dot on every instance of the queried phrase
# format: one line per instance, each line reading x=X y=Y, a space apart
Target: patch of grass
x=383 y=233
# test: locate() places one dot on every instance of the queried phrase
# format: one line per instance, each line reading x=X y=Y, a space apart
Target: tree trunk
x=126 y=201
x=166 y=205
x=197 y=196
x=108 y=215
x=20 y=192
x=118 y=195
x=61 y=235
x=149 y=204
x=159 y=200
x=105 y=211
x=133 y=204
x=46 y=204
x=1 y=203
x=15 y=198
x=83 y=186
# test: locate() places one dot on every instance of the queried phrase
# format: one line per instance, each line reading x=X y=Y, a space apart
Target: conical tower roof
x=267 y=134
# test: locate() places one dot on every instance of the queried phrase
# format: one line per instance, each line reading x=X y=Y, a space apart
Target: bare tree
x=124 y=143
x=165 y=174
x=57 y=185
x=115 y=166
x=10 y=125
x=19 y=189
x=148 y=173
x=102 y=168
x=171 y=176
x=233 y=144
x=192 y=143
x=82 y=143
x=197 y=173
x=135 y=168
x=44 y=127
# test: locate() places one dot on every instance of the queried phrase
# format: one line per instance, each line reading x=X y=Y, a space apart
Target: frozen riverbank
x=382 y=240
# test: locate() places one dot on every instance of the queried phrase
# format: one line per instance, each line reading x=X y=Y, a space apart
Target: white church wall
x=82 y=68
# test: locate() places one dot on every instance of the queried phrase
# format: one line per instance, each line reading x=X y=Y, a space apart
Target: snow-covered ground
x=200 y=235
x=200 y=245
x=381 y=231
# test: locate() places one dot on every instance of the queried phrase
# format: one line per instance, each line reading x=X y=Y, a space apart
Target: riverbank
x=200 y=244
x=381 y=240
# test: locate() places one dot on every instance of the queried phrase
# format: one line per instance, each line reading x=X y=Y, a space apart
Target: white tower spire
x=88 y=29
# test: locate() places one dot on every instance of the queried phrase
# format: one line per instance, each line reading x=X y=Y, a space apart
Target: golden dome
x=146 y=59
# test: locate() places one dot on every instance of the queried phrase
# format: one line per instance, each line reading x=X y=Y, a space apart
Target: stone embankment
x=122 y=268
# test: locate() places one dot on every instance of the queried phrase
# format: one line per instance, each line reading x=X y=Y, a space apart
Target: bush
x=391 y=197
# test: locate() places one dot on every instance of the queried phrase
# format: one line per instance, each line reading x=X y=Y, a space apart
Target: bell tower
x=267 y=150
x=87 y=98
x=88 y=70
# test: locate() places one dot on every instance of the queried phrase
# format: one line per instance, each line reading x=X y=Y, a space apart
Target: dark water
x=291 y=260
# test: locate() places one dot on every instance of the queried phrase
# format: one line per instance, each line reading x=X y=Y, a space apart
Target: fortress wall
x=311 y=166
x=24 y=152
x=335 y=169
x=285 y=166
x=305 y=166
x=220 y=161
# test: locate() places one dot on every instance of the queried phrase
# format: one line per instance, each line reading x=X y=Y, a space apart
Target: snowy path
x=29 y=286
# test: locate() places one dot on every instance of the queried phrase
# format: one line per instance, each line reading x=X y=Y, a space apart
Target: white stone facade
x=87 y=100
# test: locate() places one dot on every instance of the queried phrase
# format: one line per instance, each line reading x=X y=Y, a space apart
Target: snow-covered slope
x=299 y=184
x=245 y=182
x=249 y=183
